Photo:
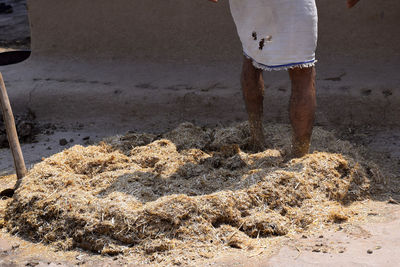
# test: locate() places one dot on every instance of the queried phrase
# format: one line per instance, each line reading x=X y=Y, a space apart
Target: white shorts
x=277 y=34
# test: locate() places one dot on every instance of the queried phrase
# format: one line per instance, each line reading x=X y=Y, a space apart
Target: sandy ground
x=372 y=243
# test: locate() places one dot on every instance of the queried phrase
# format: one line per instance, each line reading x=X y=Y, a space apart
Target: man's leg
x=302 y=108
x=253 y=93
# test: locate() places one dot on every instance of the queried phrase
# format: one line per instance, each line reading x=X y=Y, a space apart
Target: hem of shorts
x=305 y=64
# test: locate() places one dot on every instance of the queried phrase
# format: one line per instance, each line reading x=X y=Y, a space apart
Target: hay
x=190 y=192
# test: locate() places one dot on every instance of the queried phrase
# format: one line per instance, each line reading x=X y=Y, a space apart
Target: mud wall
x=198 y=29
x=358 y=51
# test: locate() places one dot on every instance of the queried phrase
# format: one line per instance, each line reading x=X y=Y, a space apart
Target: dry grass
x=192 y=192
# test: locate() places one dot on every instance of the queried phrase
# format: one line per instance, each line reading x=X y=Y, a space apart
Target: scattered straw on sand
x=191 y=192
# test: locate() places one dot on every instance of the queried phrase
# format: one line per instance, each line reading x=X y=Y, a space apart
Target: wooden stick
x=11 y=131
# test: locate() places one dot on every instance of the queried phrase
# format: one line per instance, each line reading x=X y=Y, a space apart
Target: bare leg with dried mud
x=302 y=109
x=253 y=94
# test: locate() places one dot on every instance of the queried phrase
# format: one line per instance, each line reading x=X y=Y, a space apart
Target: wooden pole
x=11 y=131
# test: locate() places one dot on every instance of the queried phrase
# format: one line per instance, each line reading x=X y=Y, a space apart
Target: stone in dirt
x=63 y=142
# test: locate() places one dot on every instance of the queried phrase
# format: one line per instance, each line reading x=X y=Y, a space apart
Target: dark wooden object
x=11 y=131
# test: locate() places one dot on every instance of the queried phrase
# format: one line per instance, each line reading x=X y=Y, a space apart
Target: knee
x=301 y=75
x=250 y=74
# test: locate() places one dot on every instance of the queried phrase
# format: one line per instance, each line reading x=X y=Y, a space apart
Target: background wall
x=199 y=29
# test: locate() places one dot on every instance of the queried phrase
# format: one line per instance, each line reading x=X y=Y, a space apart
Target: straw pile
x=192 y=190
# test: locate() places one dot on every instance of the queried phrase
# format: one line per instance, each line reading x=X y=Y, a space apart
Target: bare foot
x=256 y=145
x=257 y=140
x=300 y=148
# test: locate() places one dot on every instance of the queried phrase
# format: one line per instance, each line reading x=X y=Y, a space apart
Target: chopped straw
x=191 y=192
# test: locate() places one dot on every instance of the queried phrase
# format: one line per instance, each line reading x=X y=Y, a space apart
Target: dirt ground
x=368 y=238
x=370 y=242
